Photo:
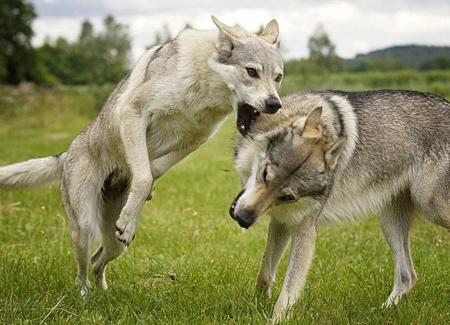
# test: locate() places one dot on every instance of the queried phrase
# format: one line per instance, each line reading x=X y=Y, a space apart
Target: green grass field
x=190 y=262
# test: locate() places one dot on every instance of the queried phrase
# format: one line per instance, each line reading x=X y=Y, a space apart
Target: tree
x=322 y=51
x=115 y=46
x=439 y=63
x=163 y=36
x=96 y=57
x=16 y=53
x=86 y=33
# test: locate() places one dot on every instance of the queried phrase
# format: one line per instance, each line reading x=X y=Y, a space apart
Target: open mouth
x=246 y=115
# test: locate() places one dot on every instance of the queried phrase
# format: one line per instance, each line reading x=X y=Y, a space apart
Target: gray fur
x=31 y=173
x=385 y=152
x=173 y=101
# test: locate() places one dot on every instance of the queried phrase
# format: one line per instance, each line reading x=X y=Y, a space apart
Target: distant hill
x=411 y=56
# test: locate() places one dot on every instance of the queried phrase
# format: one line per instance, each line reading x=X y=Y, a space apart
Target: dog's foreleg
x=396 y=222
x=133 y=134
x=300 y=258
x=276 y=243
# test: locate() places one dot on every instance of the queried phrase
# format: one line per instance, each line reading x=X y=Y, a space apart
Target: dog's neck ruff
x=347 y=127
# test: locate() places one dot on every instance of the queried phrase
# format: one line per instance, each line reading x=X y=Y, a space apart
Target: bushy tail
x=31 y=173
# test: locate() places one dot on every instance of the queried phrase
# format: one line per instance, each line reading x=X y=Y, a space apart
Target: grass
x=190 y=263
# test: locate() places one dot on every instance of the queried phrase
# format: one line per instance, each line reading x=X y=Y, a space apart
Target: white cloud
x=354 y=26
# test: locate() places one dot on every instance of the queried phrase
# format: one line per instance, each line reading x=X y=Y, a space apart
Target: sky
x=354 y=26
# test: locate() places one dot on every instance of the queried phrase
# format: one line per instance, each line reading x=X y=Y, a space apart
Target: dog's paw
x=263 y=291
x=391 y=301
x=125 y=231
x=277 y=317
x=281 y=310
x=84 y=286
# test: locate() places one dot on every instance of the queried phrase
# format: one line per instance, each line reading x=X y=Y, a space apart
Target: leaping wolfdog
x=173 y=100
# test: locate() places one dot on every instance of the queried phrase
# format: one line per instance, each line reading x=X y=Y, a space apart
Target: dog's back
x=402 y=144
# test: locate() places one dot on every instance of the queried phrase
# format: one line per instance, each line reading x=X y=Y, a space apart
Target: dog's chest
x=183 y=129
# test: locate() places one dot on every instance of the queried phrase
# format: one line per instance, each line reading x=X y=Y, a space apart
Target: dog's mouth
x=233 y=205
x=246 y=115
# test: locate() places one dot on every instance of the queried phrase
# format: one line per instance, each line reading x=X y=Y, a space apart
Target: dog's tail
x=31 y=173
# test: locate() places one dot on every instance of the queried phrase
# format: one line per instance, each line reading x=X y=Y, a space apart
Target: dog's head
x=296 y=163
x=251 y=67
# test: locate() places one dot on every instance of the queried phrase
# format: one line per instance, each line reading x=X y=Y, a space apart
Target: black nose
x=273 y=104
x=245 y=218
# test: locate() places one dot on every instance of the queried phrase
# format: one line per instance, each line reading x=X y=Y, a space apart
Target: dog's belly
x=171 y=137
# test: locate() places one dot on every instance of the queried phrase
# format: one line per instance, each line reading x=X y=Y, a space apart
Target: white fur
x=31 y=173
x=351 y=130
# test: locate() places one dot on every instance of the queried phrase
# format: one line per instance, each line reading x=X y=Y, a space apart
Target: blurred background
x=331 y=44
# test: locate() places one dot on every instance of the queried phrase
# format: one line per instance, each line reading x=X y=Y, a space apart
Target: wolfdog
x=333 y=155
x=172 y=101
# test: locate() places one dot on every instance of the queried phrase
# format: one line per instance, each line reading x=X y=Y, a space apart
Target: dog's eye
x=278 y=78
x=252 y=72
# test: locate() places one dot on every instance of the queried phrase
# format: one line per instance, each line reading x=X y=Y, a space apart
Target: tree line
x=104 y=56
x=94 y=57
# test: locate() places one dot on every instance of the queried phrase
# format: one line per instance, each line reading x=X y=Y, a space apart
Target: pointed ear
x=230 y=31
x=333 y=151
x=227 y=36
x=271 y=32
x=312 y=128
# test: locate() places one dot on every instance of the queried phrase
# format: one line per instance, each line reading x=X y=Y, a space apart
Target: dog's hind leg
x=111 y=248
x=277 y=240
x=81 y=199
x=396 y=219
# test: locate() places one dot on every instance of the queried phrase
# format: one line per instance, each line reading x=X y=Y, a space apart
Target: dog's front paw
x=277 y=317
x=280 y=310
x=263 y=291
x=391 y=301
x=125 y=231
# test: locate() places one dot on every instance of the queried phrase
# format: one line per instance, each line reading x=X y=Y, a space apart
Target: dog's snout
x=245 y=218
x=272 y=105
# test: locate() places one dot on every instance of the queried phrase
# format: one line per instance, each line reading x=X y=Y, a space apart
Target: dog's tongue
x=245 y=116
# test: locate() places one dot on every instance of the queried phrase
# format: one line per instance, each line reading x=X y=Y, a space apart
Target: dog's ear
x=228 y=37
x=333 y=151
x=271 y=32
x=312 y=128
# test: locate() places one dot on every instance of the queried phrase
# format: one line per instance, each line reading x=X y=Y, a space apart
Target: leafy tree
x=115 y=46
x=94 y=58
x=86 y=33
x=16 y=53
x=163 y=36
x=322 y=51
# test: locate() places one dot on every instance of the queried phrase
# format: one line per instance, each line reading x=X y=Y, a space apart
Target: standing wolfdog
x=334 y=155
x=172 y=102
